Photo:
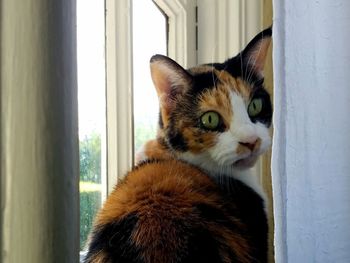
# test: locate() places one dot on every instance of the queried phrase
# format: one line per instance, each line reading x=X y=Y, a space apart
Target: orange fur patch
x=154 y=150
x=217 y=100
x=245 y=90
x=100 y=257
x=201 y=69
x=235 y=84
x=197 y=141
x=129 y=195
x=165 y=116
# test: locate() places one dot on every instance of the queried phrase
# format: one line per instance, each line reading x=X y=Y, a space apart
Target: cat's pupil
x=209 y=119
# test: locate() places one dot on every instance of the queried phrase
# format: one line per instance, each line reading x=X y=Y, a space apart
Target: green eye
x=210 y=120
x=255 y=107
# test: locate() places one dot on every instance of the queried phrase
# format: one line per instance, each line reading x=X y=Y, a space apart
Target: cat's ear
x=170 y=80
x=254 y=54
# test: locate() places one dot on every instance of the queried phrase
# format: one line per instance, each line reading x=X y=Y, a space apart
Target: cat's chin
x=245 y=163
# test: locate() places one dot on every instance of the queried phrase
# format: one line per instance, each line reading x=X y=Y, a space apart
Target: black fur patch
x=251 y=209
x=238 y=68
x=204 y=81
x=114 y=240
x=176 y=140
x=202 y=248
x=160 y=120
x=216 y=215
x=267 y=33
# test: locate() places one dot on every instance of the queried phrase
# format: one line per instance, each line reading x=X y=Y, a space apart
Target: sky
x=149 y=38
x=91 y=66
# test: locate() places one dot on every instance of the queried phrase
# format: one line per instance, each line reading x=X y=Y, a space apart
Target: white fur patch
x=140 y=155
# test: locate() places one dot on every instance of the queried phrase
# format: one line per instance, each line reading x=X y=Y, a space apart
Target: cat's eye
x=255 y=107
x=210 y=120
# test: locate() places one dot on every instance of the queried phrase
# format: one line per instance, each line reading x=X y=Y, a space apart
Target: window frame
x=119 y=85
x=182 y=30
x=119 y=93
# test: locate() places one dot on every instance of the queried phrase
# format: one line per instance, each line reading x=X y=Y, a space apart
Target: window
x=149 y=38
x=91 y=100
x=92 y=103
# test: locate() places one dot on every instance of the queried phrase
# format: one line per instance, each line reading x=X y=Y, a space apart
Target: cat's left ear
x=170 y=79
x=254 y=55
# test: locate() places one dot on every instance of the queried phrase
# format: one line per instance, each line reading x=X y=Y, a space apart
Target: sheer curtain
x=39 y=133
x=311 y=154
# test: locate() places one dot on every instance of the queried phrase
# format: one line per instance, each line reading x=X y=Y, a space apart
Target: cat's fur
x=192 y=199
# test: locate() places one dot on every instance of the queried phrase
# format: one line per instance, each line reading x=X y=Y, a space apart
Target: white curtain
x=311 y=152
x=39 y=139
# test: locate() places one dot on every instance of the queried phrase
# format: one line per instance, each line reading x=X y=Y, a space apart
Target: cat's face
x=216 y=116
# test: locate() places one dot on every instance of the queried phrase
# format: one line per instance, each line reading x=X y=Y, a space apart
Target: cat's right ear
x=254 y=54
x=170 y=80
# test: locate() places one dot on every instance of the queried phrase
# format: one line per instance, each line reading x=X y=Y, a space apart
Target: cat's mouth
x=245 y=162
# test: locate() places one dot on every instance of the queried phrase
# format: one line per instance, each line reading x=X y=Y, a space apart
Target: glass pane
x=149 y=38
x=91 y=97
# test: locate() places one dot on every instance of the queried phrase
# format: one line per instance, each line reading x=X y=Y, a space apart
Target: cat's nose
x=250 y=143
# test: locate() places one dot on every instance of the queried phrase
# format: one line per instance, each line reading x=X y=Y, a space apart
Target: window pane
x=91 y=96
x=149 y=38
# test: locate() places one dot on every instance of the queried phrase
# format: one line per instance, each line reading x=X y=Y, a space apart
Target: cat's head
x=217 y=115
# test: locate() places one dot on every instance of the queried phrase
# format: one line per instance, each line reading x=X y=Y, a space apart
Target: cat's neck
x=226 y=180
x=246 y=176
x=249 y=178
x=155 y=149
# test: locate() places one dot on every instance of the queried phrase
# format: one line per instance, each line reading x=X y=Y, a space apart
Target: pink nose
x=250 y=142
x=249 y=145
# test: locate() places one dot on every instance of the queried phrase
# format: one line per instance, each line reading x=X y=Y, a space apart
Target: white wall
x=311 y=152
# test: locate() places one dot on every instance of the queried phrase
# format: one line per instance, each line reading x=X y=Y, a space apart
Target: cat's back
x=167 y=211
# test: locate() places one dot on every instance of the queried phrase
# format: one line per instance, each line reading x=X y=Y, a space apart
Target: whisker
x=256 y=57
x=240 y=56
x=212 y=75
x=212 y=63
x=248 y=64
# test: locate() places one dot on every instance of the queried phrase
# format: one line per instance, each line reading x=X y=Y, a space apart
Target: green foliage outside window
x=90 y=158
x=90 y=175
x=90 y=183
x=89 y=205
x=143 y=133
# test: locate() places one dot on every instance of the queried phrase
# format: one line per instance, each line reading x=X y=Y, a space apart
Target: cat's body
x=192 y=199
x=161 y=214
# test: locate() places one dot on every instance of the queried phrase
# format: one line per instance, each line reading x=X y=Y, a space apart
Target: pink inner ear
x=170 y=80
x=161 y=77
x=257 y=57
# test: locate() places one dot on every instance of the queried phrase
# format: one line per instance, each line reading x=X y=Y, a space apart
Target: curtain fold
x=39 y=132
x=311 y=147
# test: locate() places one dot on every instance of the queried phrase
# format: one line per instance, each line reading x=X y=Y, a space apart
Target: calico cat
x=191 y=198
